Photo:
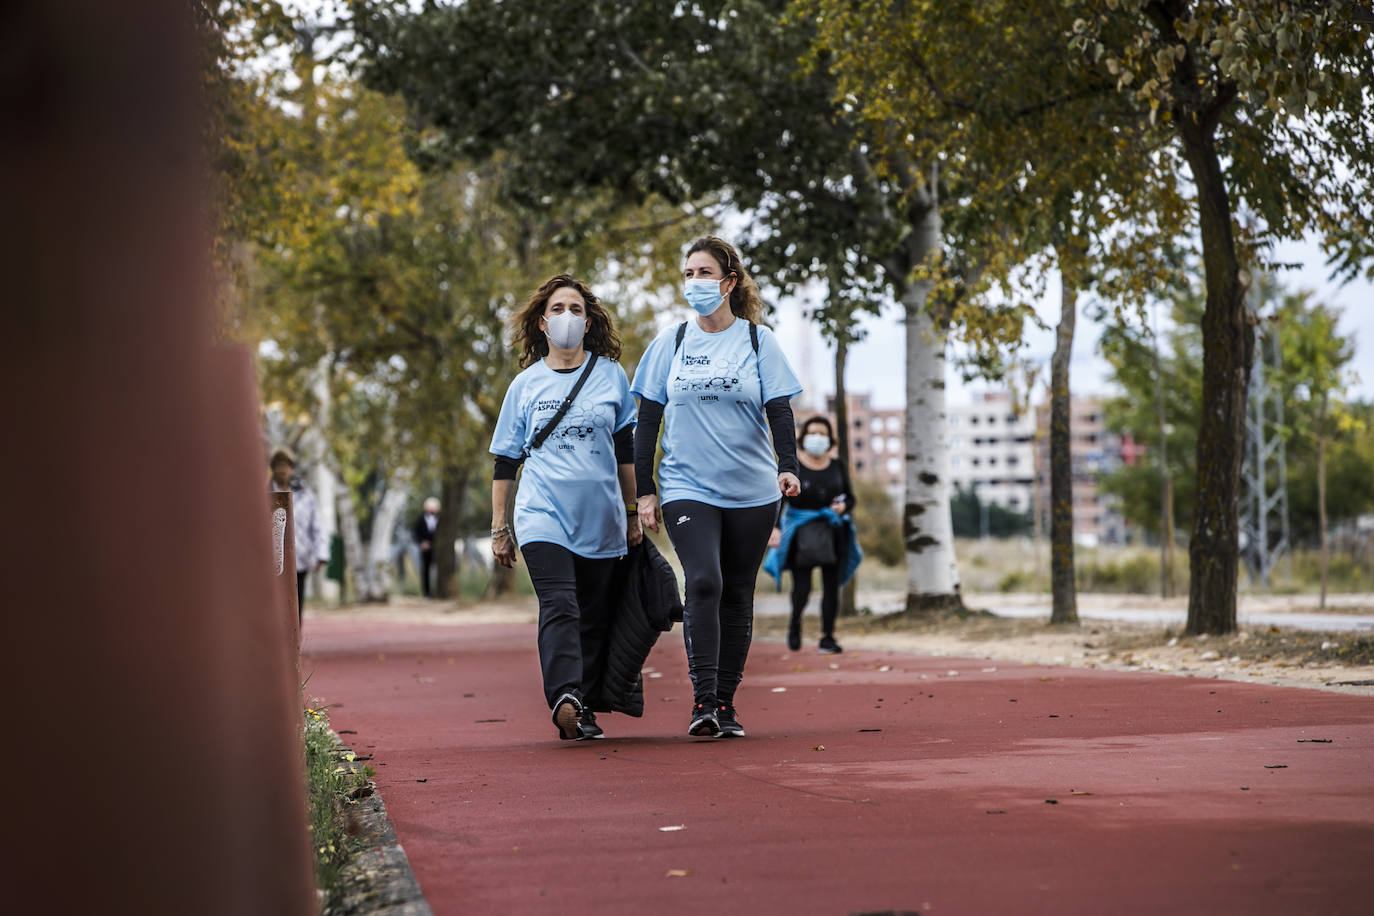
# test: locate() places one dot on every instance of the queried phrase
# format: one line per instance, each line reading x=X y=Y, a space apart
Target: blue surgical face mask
x=703 y=294
x=816 y=443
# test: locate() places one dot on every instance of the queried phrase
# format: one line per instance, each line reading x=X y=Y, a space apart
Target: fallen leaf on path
x=671 y=827
x=665 y=699
x=884 y=667
x=870 y=729
x=1076 y=792
x=1051 y=801
x=1276 y=766
x=489 y=720
x=347 y=731
x=779 y=689
x=423 y=780
x=997 y=812
x=819 y=747
x=1314 y=740
x=678 y=873
x=654 y=674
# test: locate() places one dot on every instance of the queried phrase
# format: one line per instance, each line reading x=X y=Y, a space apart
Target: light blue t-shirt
x=569 y=493
x=716 y=445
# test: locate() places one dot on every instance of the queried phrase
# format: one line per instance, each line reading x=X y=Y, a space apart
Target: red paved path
x=943 y=811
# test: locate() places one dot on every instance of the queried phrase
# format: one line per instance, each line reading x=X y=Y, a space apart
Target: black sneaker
x=729 y=725
x=794 y=636
x=567 y=715
x=705 y=723
x=828 y=646
x=588 y=727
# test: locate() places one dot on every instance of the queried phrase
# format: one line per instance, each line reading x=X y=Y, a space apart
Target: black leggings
x=720 y=550
x=574 y=615
x=830 y=596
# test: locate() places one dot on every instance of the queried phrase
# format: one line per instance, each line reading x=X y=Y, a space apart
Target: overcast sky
x=876 y=365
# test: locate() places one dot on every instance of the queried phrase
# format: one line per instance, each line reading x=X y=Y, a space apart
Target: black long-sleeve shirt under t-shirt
x=819 y=488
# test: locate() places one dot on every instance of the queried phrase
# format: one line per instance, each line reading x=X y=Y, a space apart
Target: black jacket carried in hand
x=649 y=603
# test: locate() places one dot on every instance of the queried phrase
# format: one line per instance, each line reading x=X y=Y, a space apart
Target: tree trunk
x=1321 y=496
x=383 y=527
x=932 y=569
x=354 y=555
x=1214 y=552
x=452 y=488
x=1166 y=482
x=842 y=442
x=1062 y=586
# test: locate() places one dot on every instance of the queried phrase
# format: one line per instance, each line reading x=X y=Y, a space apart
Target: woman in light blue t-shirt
x=571 y=517
x=723 y=386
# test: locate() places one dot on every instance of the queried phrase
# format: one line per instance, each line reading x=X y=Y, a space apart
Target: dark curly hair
x=744 y=298
x=532 y=343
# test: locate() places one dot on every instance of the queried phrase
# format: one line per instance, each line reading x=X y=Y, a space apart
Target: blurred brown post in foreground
x=153 y=726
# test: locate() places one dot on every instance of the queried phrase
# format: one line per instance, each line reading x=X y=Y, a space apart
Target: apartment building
x=992 y=450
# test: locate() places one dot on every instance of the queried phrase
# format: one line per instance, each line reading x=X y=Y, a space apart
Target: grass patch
x=334 y=783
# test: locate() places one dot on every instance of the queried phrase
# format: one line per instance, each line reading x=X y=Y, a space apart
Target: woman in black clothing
x=824 y=485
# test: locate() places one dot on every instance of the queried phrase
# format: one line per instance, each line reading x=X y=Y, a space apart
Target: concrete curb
x=378 y=881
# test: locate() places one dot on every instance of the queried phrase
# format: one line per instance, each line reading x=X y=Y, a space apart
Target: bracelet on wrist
x=497 y=532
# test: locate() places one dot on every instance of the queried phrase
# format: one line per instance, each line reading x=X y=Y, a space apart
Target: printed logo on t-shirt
x=708 y=377
x=579 y=424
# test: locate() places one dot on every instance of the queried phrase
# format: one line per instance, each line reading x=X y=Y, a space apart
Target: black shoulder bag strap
x=547 y=428
x=682 y=332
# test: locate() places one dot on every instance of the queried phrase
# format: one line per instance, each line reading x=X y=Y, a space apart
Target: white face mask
x=565 y=330
x=816 y=443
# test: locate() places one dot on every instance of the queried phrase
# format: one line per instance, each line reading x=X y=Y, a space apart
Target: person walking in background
x=816 y=530
x=423 y=532
x=722 y=383
x=569 y=418
x=312 y=549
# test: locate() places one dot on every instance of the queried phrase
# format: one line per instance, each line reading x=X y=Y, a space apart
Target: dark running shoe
x=567 y=715
x=588 y=727
x=705 y=724
x=829 y=646
x=794 y=635
x=729 y=725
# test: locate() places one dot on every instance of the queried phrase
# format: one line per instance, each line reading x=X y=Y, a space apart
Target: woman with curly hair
x=571 y=519
x=723 y=385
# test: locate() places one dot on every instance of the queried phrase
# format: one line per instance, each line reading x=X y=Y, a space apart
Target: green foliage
x=334 y=783
x=707 y=102
x=967 y=511
x=1129 y=349
x=1313 y=356
x=878 y=524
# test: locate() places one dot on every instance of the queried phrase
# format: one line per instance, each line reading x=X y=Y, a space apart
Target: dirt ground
x=1342 y=662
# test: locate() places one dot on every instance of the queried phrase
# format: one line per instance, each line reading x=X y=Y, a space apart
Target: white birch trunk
x=322 y=478
x=932 y=570
x=384 y=524
x=354 y=554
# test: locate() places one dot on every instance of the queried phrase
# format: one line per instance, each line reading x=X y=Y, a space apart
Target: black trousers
x=720 y=550
x=300 y=596
x=574 y=615
x=426 y=562
x=830 y=596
